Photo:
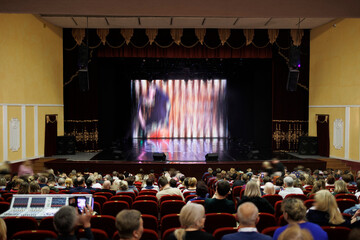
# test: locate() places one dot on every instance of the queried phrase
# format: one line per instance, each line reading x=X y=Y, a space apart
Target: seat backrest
x=98 y=234
x=146 y=197
x=104 y=222
x=335 y=233
x=169 y=197
x=309 y=203
x=170 y=221
x=185 y=194
x=131 y=194
x=166 y=234
x=281 y=221
x=344 y=204
x=146 y=207
x=346 y=196
x=150 y=222
x=47 y=223
x=202 y=202
x=149 y=234
x=270 y=231
x=114 y=207
x=97 y=207
x=236 y=192
x=299 y=196
x=219 y=220
x=125 y=198
x=16 y=224
x=100 y=199
x=148 y=192
x=4 y=206
x=34 y=234
x=171 y=206
x=277 y=208
x=266 y=220
x=220 y=232
x=272 y=199
x=108 y=195
x=188 y=197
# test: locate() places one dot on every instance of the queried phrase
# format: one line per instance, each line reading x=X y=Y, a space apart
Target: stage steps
x=39 y=164
x=336 y=164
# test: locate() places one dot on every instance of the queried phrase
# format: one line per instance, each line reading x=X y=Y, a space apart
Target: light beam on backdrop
x=180 y=109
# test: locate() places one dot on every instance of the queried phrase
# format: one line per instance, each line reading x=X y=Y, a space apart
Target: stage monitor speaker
x=159 y=156
x=84 y=80
x=65 y=145
x=293 y=79
x=308 y=146
x=211 y=157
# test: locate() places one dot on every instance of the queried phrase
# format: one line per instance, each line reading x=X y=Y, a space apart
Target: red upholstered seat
x=344 y=204
x=188 y=197
x=100 y=199
x=149 y=234
x=171 y=206
x=277 y=208
x=169 y=221
x=106 y=223
x=114 y=207
x=309 y=203
x=281 y=221
x=166 y=234
x=97 y=207
x=272 y=199
x=270 y=230
x=16 y=224
x=220 y=232
x=146 y=207
x=299 y=196
x=47 y=224
x=98 y=234
x=4 y=206
x=34 y=234
x=219 y=220
x=170 y=197
x=125 y=198
x=148 y=192
x=108 y=195
x=150 y=222
x=346 y=196
x=335 y=233
x=266 y=220
x=131 y=194
x=146 y=197
x=202 y=202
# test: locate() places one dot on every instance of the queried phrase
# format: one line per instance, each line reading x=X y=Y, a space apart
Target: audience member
x=192 y=185
x=192 y=220
x=173 y=183
x=45 y=190
x=252 y=194
x=150 y=185
x=34 y=187
x=269 y=188
x=80 y=181
x=129 y=224
x=201 y=192
x=106 y=187
x=3 y=229
x=289 y=189
x=294 y=232
x=61 y=183
x=123 y=187
x=219 y=203
x=42 y=180
x=325 y=211
x=130 y=180
x=318 y=185
x=67 y=219
x=165 y=189
x=248 y=216
x=340 y=187
x=24 y=188
x=294 y=211
x=25 y=169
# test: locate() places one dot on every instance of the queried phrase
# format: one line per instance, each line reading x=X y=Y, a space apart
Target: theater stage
x=186 y=155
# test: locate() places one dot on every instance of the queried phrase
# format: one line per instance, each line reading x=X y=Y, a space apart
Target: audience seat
x=346 y=196
x=312 y=196
x=219 y=220
x=171 y=206
x=169 y=197
x=16 y=224
x=272 y=199
x=270 y=231
x=188 y=197
x=125 y=198
x=220 y=232
x=114 y=207
x=277 y=208
x=47 y=224
x=336 y=233
x=189 y=193
x=131 y=194
x=97 y=208
x=2 y=199
x=148 y=192
x=309 y=203
x=146 y=197
x=166 y=234
x=299 y=196
x=169 y=221
x=146 y=207
x=98 y=234
x=34 y=234
x=108 y=195
x=103 y=222
x=344 y=204
x=202 y=202
x=6 y=195
x=149 y=234
x=281 y=221
x=266 y=220
x=150 y=222
x=236 y=192
x=4 y=206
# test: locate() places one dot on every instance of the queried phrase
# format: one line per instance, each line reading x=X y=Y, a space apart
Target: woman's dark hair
x=201 y=189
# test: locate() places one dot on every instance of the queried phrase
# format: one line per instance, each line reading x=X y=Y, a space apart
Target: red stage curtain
x=176 y=51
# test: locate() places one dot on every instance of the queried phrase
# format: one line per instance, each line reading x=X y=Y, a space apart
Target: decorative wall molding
x=338 y=133
x=334 y=106
x=23 y=131
x=14 y=125
x=347 y=132
x=36 y=132
x=32 y=105
x=5 y=133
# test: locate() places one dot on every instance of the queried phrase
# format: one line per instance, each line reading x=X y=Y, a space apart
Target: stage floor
x=181 y=150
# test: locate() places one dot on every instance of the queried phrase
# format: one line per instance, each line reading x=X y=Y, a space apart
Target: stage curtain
x=85 y=132
x=175 y=51
x=322 y=124
x=50 y=135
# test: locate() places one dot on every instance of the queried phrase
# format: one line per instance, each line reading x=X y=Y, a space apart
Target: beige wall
x=335 y=82
x=31 y=77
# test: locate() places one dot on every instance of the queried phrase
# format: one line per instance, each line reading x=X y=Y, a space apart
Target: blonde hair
x=295 y=209
x=190 y=216
x=2 y=229
x=326 y=202
x=192 y=182
x=124 y=185
x=294 y=232
x=340 y=187
x=68 y=182
x=45 y=190
x=252 y=189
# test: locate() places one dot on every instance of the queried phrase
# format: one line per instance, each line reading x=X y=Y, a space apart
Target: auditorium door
x=50 y=134
x=322 y=128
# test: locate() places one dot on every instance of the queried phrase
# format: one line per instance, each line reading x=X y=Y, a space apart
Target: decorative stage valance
x=85 y=132
x=286 y=134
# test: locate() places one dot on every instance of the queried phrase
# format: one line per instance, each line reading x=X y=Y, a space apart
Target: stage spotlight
x=211 y=157
x=159 y=156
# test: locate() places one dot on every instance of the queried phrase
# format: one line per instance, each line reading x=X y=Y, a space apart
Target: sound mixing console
x=40 y=205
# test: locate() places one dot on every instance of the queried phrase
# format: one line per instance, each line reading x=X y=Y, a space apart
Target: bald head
x=107 y=184
x=248 y=214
